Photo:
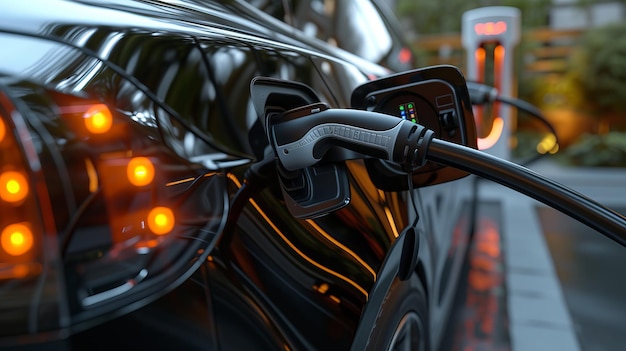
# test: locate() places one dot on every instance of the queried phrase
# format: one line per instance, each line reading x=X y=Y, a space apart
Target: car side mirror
x=434 y=97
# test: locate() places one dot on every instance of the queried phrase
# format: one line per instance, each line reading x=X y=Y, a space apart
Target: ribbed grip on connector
x=411 y=145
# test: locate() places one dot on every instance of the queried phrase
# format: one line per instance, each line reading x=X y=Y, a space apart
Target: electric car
x=142 y=204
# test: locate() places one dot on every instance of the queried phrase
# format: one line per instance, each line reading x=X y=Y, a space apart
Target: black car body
x=366 y=28
x=127 y=135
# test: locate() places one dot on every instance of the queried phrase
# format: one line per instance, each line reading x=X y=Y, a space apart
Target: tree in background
x=599 y=67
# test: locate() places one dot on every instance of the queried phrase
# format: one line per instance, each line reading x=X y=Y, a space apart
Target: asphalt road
x=583 y=307
x=592 y=272
x=589 y=266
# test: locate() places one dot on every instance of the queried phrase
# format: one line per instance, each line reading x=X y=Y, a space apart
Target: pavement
x=537 y=312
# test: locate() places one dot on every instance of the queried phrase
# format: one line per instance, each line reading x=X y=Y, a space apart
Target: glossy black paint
x=177 y=79
x=367 y=28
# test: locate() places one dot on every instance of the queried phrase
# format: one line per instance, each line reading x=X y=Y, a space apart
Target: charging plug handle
x=302 y=137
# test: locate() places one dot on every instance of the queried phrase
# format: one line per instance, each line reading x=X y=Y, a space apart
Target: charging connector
x=302 y=142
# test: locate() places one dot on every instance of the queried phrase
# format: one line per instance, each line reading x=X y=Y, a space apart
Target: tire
x=402 y=323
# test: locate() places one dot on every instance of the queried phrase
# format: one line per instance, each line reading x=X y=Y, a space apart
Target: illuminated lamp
x=161 y=220
x=16 y=239
x=548 y=145
x=98 y=119
x=140 y=171
x=13 y=186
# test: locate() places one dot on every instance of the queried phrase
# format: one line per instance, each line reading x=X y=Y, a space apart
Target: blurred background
x=570 y=62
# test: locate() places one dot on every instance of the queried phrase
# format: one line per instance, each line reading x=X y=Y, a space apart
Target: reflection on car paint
x=482 y=318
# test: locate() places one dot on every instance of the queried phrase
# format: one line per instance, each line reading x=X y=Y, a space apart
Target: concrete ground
x=537 y=310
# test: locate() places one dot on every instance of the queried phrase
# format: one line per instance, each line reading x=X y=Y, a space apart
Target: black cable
x=526 y=181
x=481 y=94
x=255 y=179
x=533 y=111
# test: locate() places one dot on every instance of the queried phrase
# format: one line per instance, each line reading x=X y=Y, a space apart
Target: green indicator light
x=410 y=105
x=401 y=107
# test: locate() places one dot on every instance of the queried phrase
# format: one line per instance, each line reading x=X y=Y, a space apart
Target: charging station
x=489 y=36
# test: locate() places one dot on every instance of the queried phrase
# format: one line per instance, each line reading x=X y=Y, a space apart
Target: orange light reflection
x=3 y=130
x=294 y=248
x=98 y=119
x=92 y=174
x=13 y=186
x=161 y=220
x=140 y=171
x=342 y=247
x=16 y=239
x=301 y=254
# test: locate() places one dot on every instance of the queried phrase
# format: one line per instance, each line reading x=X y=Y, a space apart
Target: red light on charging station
x=490 y=28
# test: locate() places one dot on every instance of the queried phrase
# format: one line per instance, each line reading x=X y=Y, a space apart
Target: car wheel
x=402 y=322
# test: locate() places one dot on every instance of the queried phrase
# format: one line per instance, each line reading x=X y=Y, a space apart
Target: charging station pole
x=489 y=35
